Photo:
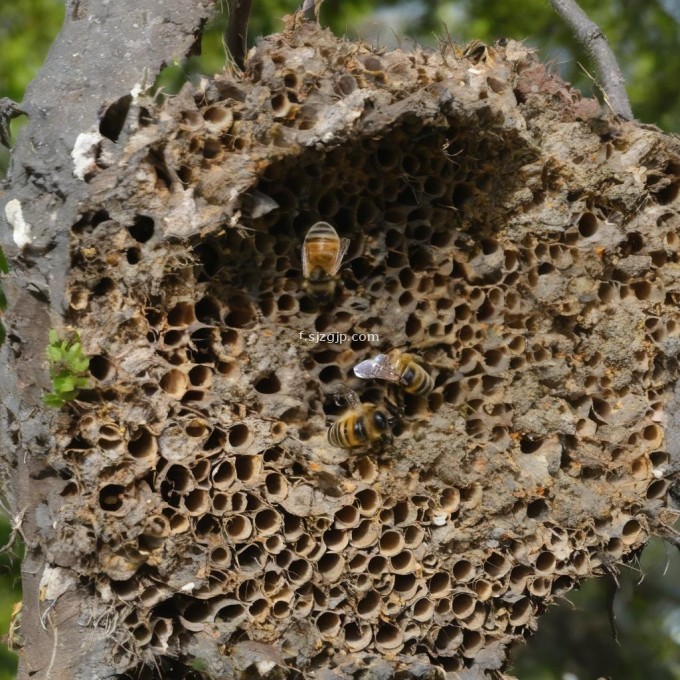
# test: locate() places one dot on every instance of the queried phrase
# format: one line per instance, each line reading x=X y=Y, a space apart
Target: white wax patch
x=22 y=229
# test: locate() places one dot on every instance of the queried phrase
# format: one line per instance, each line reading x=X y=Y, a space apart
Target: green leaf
x=81 y=365
x=82 y=383
x=4 y=266
x=53 y=400
x=3 y=334
x=68 y=368
x=53 y=354
x=3 y=299
x=74 y=350
x=75 y=364
x=64 y=382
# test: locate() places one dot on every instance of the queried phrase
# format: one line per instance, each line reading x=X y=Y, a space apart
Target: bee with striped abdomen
x=476 y=51
x=322 y=253
x=361 y=424
x=397 y=368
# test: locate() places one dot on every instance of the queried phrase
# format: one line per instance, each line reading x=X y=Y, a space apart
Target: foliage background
x=575 y=641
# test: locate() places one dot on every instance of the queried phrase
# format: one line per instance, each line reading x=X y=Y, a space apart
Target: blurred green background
x=575 y=641
x=10 y=593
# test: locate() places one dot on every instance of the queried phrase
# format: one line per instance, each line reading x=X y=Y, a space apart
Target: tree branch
x=237 y=30
x=593 y=39
x=310 y=9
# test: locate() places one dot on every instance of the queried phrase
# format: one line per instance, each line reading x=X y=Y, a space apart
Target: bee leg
x=395 y=405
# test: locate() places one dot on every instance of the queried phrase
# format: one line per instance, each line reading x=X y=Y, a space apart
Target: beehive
x=525 y=248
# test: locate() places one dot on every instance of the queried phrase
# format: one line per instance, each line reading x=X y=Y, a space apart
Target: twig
x=614 y=587
x=592 y=38
x=237 y=30
x=310 y=9
x=15 y=524
x=53 y=658
x=8 y=109
x=45 y=616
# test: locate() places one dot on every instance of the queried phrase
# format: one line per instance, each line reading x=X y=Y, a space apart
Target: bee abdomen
x=322 y=230
x=417 y=381
x=340 y=433
x=323 y=286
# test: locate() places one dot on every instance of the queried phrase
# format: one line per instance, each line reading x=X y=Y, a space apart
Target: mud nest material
x=525 y=249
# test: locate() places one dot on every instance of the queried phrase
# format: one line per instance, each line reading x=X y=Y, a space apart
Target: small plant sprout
x=68 y=369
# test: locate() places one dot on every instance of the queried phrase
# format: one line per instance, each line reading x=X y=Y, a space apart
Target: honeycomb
x=523 y=246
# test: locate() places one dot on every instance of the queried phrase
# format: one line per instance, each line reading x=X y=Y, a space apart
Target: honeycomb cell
x=267 y=522
x=463 y=605
x=439 y=585
x=463 y=571
x=448 y=640
x=299 y=571
x=477 y=619
x=365 y=535
x=545 y=562
x=347 y=517
x=539 y=586
x=357 y=636
x=240 y=436
x=657 y=489
x=414 y=536
x=238 y=528
x=369 y=606
x=473 y=641
x=331 y=566
x=496 y=565
x=174 y=383
x=197 y=502
x=389 y=637
x=403 y=562
x=142 y=229
x=102 y=369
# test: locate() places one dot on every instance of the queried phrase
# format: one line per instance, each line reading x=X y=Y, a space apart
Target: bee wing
x=380 y=367
x=343 y=395
x=342 y=250
x=305 y=261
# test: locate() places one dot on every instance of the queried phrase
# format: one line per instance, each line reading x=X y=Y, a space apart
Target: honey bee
x=361 y=424
x=397 y=368
x=476 y=51
x=322 y=253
